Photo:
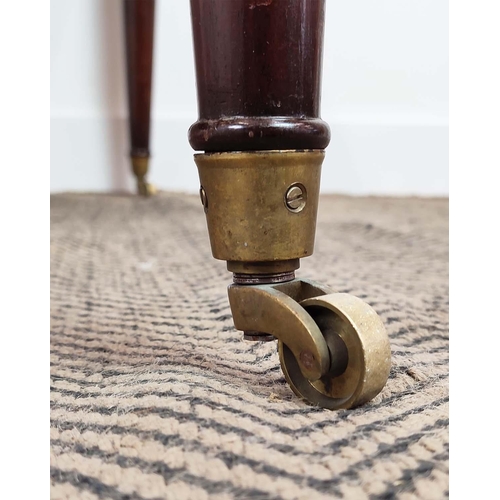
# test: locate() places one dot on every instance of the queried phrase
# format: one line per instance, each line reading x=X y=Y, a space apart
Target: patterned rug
x=155 y=395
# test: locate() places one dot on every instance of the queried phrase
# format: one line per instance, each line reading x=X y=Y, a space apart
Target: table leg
x=139 y=28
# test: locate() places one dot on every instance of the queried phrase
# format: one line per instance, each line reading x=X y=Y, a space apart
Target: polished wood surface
x=258 y=69
x=139 y=28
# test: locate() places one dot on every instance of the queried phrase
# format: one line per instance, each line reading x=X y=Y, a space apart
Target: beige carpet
x=155 y=395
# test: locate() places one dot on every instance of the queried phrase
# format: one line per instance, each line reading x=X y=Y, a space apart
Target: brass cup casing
x=140 y=164
x=261 y=206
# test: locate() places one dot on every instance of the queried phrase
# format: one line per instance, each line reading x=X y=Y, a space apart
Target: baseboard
x=89 y=153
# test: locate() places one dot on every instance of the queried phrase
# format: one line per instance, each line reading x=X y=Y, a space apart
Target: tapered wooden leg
x=258 y=69
x=139 y=27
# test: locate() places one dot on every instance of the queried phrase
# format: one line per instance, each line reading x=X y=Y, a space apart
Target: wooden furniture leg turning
x=139 y=27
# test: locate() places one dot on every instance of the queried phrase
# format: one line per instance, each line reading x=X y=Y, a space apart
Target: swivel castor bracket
x=258 y=68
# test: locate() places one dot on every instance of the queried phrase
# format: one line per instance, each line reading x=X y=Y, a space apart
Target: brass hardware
x=359 y=349
x=295 y=198
x=260 y=279
x=203 y=198
x=257 y=268
x=140 y=166
x=333 y=347
x=247 y=219
x=145 y=188
x=275 y=310
x=261 y=211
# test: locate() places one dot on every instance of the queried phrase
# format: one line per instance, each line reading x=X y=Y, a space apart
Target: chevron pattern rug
x=154 y=395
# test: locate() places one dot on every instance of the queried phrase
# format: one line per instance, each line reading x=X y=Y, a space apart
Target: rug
x=154 y=394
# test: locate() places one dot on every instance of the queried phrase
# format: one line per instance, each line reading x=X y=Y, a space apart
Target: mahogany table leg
x=258 y=69
x=139 y=27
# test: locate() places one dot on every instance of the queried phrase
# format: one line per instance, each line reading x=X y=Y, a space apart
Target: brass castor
x=333 y=348
x=261 y=212
x=360 y=354
x=140 y=166
x=258 y=67
x=145 y=188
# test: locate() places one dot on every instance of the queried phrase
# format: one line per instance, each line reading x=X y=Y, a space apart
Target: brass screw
x=203 y=198
x=295 y=198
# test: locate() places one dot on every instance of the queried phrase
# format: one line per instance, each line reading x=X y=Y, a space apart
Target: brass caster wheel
x=360 y=354
x=145 y=188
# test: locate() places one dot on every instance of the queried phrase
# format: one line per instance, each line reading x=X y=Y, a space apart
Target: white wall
x=385 y=96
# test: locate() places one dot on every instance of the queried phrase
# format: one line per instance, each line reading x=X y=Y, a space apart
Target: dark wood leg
x=258 y=68
x=139 y=27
